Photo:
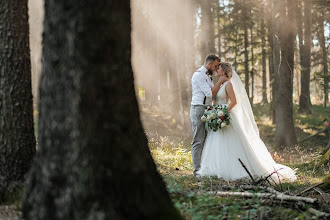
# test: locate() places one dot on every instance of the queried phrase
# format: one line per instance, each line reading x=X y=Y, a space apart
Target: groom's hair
x=211 y=58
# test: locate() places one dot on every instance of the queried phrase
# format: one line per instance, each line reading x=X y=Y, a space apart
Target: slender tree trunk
x=297 y=82
x=285 y=133
x=190 y=53
x=17 y=141
x=305 y=54
x=324 y=51
x=252 y=65
x=207 y=28
x=158 y=57
x=219 y=31
x=299 y=26
x=236 y=49
x=263 y=57
x=178 y=77
x=152 y=88
x=190 y=49
x=276 y=53
x=271 y=63
x=94 y=161
x=246 y=46
x=211 y=28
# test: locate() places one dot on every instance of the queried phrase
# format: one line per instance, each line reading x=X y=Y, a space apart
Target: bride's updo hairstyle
x=226 y=67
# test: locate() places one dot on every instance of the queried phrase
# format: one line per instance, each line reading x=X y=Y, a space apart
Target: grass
x=191 y=196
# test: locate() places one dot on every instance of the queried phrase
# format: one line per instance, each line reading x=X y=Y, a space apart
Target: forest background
x=279 y=49
x=170 y=40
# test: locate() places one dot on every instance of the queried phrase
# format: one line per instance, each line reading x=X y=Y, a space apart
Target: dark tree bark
x=17 y=141
x=285 y=134
x=305 y=57
x=94 y=161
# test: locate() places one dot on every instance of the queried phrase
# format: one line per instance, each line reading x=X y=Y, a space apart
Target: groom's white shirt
x=201 y=87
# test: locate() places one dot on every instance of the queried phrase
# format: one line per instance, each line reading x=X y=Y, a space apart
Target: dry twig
x=308 y=189
x=254 y=182
x=266 y=178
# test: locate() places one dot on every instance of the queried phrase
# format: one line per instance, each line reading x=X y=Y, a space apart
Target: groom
x=203 y=90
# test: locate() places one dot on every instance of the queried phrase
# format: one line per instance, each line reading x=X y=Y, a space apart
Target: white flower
x=220 y=113
x=223 y=124
x=219 y=121
x=203 y=118
x=213 y=115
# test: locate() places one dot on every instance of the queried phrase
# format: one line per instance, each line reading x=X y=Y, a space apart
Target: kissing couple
x=217 y=153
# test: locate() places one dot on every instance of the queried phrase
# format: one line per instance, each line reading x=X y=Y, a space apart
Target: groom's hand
x=223 y=79
x=216 y=88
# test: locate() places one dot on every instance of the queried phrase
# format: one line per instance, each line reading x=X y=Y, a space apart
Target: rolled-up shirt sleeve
x=203 y=85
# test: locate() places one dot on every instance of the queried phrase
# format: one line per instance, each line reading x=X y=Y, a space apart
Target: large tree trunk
x=305 y=54
x=17 y=141
x=285 y=134
x=94 y=161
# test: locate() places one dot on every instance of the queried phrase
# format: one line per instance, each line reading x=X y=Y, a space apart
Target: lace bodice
x=221 y=95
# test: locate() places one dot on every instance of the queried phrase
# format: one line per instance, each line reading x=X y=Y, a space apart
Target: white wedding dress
x=239 y=139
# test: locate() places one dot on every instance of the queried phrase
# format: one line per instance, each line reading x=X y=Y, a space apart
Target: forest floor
x=169 y=143
x=196 y=198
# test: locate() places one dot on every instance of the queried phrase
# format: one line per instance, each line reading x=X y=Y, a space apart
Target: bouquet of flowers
x=216 y=117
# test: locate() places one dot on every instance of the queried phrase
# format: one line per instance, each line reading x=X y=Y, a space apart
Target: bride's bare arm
x=231 y=95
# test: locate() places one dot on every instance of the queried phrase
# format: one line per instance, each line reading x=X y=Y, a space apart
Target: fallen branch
x=250 y=187
x=318 y=213
x=254 y=182
x=309 y=188
x=309 y=137
x=280 y=196
x=319 y=191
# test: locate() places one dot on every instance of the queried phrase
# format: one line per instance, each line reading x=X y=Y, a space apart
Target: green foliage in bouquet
x=216 y=117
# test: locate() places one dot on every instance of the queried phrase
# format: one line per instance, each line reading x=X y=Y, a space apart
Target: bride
x=238 y=140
